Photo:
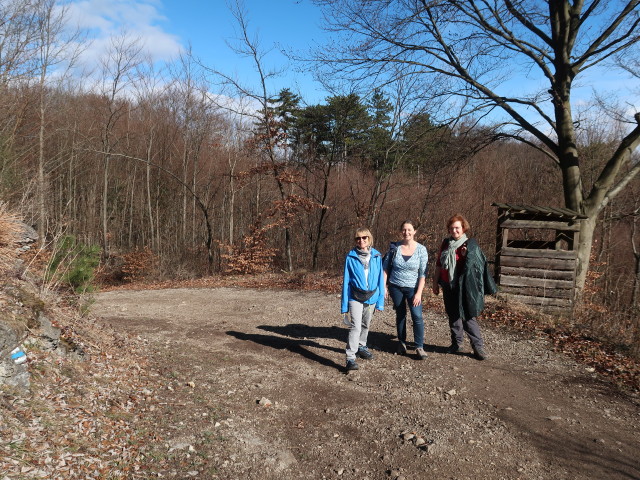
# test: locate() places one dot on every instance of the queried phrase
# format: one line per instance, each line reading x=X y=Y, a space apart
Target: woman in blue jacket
x=362 y=292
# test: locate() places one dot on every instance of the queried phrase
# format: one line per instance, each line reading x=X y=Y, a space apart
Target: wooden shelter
x=536 y=254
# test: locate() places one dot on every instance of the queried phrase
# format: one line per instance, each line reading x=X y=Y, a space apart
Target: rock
x=49 y=334
x=25 y=235
x=429 y=448
x=282 y=460
x=265 y=402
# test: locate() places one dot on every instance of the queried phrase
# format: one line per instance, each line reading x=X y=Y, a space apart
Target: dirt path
x=525 y=413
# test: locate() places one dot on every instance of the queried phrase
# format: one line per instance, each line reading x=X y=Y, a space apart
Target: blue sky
x=168 y=26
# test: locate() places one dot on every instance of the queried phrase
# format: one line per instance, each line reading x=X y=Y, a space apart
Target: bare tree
x=474 y=46
x=18 y=54
x=18 y=35
x=189 y=92
x=118 y=66
x=58 y=47
x=249 y=47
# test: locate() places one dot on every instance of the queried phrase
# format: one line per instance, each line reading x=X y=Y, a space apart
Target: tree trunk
x=105 y=204
x=587 y=229
x=636 y=283
x=42 y=212
x=148 y=188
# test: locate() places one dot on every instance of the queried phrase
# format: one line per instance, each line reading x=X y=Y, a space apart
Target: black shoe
x=402 y=349
x=352 y=365
x=364 y=353
x=453 y=349
x=479 y=353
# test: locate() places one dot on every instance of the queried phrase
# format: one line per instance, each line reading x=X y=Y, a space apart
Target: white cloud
x=139 y=19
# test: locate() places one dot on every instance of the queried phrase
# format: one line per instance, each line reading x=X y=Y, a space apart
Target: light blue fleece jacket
x=354 y=275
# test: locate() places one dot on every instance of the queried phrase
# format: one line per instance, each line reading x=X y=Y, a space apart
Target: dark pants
x=457 y=324
x=401 y=296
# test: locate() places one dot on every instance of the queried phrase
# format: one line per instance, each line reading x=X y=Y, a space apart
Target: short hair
x=458 y=217
x=361 y=232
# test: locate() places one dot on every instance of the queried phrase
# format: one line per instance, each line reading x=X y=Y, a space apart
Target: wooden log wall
x=537 y=271
x=540 y=277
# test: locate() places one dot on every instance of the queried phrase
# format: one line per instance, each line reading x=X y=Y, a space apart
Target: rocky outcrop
x=23 y=322
x=12 y=372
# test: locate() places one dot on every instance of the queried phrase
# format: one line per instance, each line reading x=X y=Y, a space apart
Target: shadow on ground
x=299 y=338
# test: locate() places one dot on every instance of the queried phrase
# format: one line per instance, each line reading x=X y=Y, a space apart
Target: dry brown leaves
x=305 y=281
x=9 y=230
x=83 y=418
x=572 y=340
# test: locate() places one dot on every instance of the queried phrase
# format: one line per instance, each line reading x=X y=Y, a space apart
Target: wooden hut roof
x=551 y=212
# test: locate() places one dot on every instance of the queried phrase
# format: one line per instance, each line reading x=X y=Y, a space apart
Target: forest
x=156 y=176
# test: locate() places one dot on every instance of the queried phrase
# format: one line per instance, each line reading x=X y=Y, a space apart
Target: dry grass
x=9 y=231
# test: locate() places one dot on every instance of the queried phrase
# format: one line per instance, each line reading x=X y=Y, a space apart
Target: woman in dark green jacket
x=463 y=274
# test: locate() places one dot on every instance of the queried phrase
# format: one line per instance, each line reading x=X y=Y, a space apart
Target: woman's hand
x=417 y=299
x=386 y=293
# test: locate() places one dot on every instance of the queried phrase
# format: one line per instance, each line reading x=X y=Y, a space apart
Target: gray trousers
x=456 y=323
x=360 y=319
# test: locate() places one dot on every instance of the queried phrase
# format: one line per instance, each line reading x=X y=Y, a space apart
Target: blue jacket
x=354 y=275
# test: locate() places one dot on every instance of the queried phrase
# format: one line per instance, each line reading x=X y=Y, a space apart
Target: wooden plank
x=538 y=273
x=541 y=263
x=531 y=244
x=546 y=210
x=538 y=292
x=537 y=301
x=538 y=253
x=513 y=223
x=544 y=283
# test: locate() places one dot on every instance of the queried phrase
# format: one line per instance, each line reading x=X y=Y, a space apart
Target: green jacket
x=475 y=281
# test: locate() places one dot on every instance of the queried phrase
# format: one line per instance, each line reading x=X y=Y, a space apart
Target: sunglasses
x=362 y=238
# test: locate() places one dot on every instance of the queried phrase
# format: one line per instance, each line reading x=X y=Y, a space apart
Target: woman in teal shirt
x=405 y=273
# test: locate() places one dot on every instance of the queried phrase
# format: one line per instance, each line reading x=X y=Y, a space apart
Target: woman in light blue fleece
x=405 y=271
x=362 y=292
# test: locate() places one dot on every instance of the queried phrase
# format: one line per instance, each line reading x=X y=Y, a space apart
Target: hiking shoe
x=421 y=353
x=479 y=353
x=453 y=349
x=364 y=353
x=402 y=349
x=352 y=365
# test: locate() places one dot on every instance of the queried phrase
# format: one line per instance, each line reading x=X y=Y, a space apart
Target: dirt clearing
x=252 y=386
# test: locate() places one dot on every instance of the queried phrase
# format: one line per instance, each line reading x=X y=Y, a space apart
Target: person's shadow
x=299 y=338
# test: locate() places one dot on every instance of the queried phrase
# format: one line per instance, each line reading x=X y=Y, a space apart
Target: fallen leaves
x=572 y=341
x=82 y=418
